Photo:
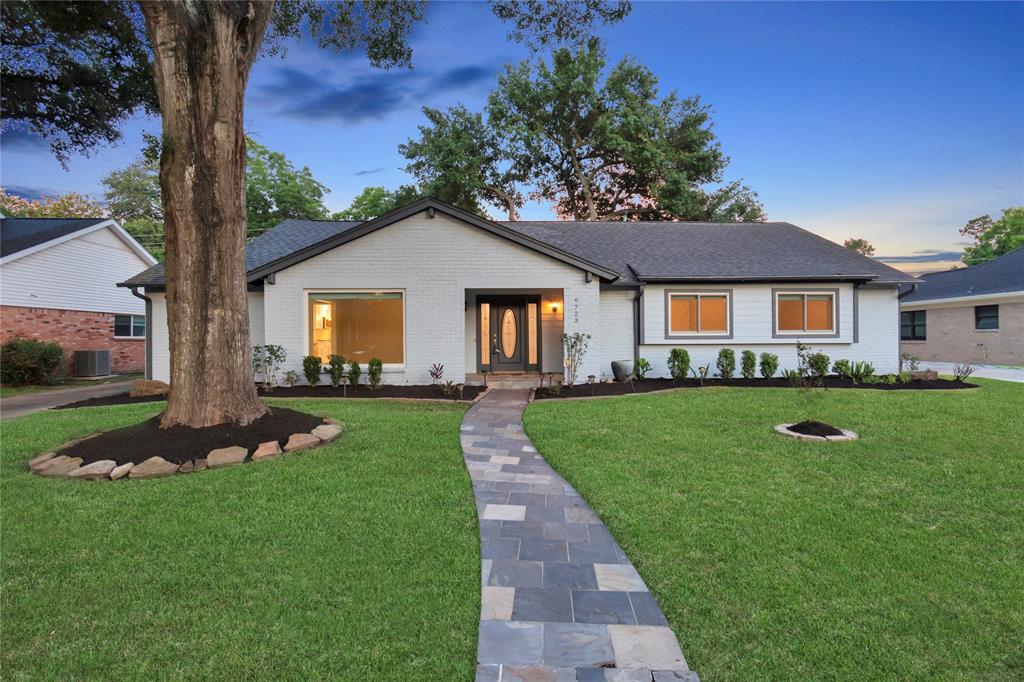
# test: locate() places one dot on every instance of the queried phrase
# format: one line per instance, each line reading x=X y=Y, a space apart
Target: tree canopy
x=70 y=205
x=599 y=144
x=860 y=245
x=993 y=238
x=373 y=202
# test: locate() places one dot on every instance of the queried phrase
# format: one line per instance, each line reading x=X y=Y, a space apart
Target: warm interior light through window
x=699 y=313
x=805 y=312
x=359 y=326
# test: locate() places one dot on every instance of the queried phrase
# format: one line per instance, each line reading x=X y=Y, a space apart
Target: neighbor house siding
x=79 y=274
x=434 y=262
x=877 y=330
x=951 y=336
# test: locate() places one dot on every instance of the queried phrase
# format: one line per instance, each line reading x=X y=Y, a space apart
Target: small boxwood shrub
x=819 y=363
x=336 y=369
x=726 y=363
x=769 y=365
x=354 y=372
x=374 y=369
x=679 y=363
x=28 y=361
x=843 y=368
x=748 y=364
x=311 y=368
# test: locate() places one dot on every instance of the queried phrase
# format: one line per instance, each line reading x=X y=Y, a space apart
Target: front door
x=507 y=334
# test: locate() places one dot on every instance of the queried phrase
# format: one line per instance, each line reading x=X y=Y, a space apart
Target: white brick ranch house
x=430 y=283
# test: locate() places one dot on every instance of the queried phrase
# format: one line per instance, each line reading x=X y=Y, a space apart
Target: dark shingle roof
x=636 y=251
x=290 y=236
x=997 y=276
x=18 y=234
x=652 y=251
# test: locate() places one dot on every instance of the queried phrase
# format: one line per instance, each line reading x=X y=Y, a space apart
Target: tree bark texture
x=202 y=54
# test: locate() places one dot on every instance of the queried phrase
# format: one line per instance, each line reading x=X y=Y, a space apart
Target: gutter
x=149 y=331
x=908 y=292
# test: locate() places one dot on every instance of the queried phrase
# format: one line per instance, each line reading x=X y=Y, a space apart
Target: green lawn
x=897 y=557
x=356 y=561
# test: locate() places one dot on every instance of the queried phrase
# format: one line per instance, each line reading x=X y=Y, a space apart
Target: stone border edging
x=54 y=465
x=783 y=430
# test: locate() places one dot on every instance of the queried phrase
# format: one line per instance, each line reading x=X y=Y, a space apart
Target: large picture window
x=697 y=313
x=805 y=312
x=358 y=325
x=913 y=325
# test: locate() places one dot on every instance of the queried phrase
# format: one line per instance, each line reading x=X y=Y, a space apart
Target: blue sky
x=895 y=122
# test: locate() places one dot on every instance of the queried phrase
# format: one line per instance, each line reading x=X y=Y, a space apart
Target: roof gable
x=20 y=237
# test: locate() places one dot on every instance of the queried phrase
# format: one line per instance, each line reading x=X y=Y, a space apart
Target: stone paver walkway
x=561 y=601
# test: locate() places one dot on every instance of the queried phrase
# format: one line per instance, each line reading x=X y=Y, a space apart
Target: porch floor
x=506 y=380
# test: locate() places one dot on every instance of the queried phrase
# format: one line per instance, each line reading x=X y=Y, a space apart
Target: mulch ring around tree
x=179 y=444
x=651 y=385
x=428 y=392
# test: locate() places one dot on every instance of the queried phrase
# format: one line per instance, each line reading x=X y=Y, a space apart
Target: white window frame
x=131 y=326
x=405 y=319
x=698 y=293
x=834 y=293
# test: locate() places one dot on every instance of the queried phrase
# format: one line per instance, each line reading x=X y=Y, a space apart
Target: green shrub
x=374 y=369
x=354 y=371
x=291 y=377
x=748 y=364
x=843 y=368
x=726 y=363
x=679 y=363
x=862 y=372
x=336 y=369
x=818 y=364
x=311 y=368
x=28 y=361
x=794 y=376
x=769 y=365
x=641 y=368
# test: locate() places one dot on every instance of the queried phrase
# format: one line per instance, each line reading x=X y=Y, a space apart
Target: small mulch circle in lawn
x=428 y=392
x=182 y=443
x=651 y=385
x=810 y=427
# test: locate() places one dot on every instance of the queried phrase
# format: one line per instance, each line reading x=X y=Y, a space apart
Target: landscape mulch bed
x=811 y=427
x=650 y=385
x=428 y=392
x=181 y=443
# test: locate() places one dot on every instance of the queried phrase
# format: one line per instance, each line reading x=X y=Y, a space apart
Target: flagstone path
x=561 y=601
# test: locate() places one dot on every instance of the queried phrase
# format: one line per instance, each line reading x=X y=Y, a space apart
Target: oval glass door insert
x=509 y=333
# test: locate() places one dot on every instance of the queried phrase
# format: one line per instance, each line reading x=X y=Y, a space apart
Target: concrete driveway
x=20 y=405
x=983 y=371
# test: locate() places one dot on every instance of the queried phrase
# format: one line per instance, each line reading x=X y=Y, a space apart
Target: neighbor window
x=358 y=325
x=986 y=317
x=698 y=313
x=809 y=312
x=130 y=326
x=913 y=325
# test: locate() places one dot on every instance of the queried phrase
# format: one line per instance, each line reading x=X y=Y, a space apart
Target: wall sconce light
x=554 y=308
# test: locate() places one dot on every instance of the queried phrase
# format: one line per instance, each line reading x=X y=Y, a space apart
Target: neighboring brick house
x=429 y=283
x=58 y=280
x=973 y=314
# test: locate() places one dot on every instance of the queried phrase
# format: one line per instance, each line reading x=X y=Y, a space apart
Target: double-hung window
x=914 y=325
x=697 y=313
x=986 y=317
x=129 y=326
x=357 y=325
x=805 y=312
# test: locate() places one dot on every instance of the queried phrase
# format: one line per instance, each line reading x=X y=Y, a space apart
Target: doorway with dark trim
x=508 y=328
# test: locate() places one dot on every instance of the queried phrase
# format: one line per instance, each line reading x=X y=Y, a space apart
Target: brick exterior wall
x=74 y=330
x=951 y=336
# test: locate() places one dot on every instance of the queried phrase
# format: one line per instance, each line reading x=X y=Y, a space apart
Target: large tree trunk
x=202 y=55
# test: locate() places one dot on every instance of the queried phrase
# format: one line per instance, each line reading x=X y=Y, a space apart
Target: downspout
x=908 y=292
x=149 y=331
x=638 y=320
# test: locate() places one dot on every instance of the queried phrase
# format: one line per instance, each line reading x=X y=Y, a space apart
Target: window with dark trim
x=130 y=326
x=986 y=317
x=913 y=325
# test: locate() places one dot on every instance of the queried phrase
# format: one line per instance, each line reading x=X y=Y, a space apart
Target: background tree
x=993 y=238
x=70 y=205
x=860 y=245
x=194 y=62
x=599 y=147
x=275 y=190
x=133 y=198
x=373 y=202
x=459 y=159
